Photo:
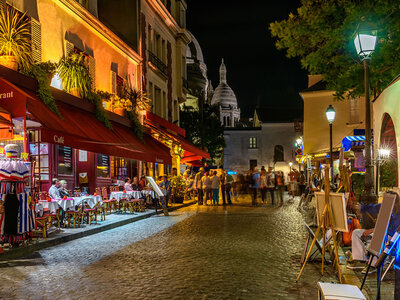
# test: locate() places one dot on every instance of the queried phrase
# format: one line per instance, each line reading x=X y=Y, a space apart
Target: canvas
x=338 y=207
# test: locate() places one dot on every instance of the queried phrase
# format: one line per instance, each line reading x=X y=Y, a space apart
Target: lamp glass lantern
x=365 y=39
x=330 y=114
x=384 y=153
x=299 y=141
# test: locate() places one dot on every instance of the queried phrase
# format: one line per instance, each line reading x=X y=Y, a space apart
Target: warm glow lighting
x=299 y=141
x=56 y=82
x=330 y=114
x=384 y=153
x=290 y=164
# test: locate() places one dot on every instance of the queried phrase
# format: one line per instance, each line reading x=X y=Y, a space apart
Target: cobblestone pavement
x=237 y=252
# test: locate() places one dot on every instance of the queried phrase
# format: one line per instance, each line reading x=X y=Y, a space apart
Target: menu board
x=103 y=165
x=65 y=160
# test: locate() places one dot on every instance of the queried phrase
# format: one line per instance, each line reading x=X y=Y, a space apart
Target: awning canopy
x=176 y=133
x=353 y=140
x=80 y=129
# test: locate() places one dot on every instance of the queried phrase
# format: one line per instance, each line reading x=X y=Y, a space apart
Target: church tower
x=226 y=99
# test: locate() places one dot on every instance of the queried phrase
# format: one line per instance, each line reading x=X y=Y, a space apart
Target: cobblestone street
x=237 y=252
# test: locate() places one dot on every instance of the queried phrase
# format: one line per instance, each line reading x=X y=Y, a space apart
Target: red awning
x=80 y=129
x=175 y=132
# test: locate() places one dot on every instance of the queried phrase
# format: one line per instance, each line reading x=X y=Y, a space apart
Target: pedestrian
x=198 y=185
x=228 y=186
x=255 y=184
x=302 y=183
x=128 y=186
x=263 y=184
x=280 y=185
x=222 y=179
x=166 y=186
x=206 y=185
x=271 y=184
x=215 y=181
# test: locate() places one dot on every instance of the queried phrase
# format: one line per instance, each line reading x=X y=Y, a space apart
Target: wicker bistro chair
x=109 y=204
x=43 y=224
x=53 y=217
x=125 y=204
x=75 y=216
x=139 y=205
x=89 y=214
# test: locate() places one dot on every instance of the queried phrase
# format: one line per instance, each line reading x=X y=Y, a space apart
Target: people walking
x=255 y=184
x=263 y=185
x=198 y=185
x=206 y=185
x=215 y=181
x=302 y=183
x=280 y=185
x=228 y=186
x=271 y=184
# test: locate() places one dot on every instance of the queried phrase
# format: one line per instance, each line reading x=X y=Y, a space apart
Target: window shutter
x=69 y=48
x=36 y=36
x=113 y=82
x=92 y=71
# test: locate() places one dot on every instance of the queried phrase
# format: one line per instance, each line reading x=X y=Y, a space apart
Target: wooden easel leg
x=305 y=249
x=309 y=252
x=366 y=273
x=336 y=254
x=323 y=251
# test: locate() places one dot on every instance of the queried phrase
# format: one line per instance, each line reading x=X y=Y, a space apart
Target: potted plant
x=15 y=39
x=74 y=75
x=117 y=105
x=178 y=187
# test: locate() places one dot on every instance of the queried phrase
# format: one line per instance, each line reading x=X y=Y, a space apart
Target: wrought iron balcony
x=155 y=61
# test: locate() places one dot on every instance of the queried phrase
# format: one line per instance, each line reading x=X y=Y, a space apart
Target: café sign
x=58 y=139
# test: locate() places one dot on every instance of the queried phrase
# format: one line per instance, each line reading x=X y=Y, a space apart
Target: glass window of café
x=39 y=154
x=103 y=166
x=64 y=160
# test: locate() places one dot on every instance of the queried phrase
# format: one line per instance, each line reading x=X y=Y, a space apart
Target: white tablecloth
x=128 y=195
x=66 y=204
x=52 y=206
x=149 y=192
x=90 y=200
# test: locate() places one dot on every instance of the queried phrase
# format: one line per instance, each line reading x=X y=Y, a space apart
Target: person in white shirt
x=54 y=193
x=215 y=181
x=128 y=186
x=206 y=186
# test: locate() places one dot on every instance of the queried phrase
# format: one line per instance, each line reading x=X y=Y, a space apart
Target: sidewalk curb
x=27 y=250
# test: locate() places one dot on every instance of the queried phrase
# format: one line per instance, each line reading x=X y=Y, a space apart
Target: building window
x=157 y=108
x=103 y=166
x=278 y=153
x=253 y=143
x=84 y=3
x=65 y=160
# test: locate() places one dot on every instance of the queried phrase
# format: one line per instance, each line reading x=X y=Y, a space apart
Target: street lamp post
x=330 y=116
x=365 y=39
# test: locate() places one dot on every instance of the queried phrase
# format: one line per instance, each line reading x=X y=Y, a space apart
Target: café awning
x=352 y=140
x=80 y=129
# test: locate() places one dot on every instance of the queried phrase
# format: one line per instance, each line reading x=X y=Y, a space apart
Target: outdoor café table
x=52 y=206
x=128 y=195
x=148 y=192
x=91 y=200
x=39 y=209
x=66 y=204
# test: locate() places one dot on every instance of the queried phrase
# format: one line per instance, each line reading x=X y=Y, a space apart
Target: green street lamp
x=365 y=39
x=330 y=116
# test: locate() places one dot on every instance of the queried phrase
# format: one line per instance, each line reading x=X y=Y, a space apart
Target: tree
x=321 y=32
x=206 y=133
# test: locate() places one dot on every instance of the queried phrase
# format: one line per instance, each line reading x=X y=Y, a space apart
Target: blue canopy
x=353 y=140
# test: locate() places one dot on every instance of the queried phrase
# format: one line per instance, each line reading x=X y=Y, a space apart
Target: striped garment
x=26 y=216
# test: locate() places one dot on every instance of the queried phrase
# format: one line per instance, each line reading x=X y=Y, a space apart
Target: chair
x=109 y=204
x=77 y=193
x=43 y=195
x=75 y=215
x=44 y=224
x=89 y=213
x=139 y=205
x=53 y=217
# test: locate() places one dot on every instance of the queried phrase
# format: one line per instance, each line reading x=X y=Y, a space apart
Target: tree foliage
x=206 y=132
x=321 y=33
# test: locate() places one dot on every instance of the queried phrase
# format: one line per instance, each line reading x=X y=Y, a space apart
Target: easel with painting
x=326 y=221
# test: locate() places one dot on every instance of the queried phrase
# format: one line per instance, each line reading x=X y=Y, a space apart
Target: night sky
x=238 y=32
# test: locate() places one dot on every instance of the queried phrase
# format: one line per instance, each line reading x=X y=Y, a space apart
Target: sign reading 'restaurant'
x=7 y=95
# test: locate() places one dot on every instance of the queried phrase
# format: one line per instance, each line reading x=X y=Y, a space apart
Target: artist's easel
x=325 y=222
